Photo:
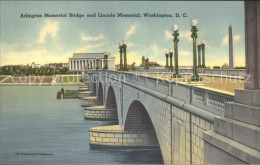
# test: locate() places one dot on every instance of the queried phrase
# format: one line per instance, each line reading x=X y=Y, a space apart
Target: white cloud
x=87 y=48
x=226 y=39
x=130 y=44
x=236 y=38
x=154 y=48
x=50 y=28
x=168 y=34
x=186 y=35
x=89 y=38
x=131 y=31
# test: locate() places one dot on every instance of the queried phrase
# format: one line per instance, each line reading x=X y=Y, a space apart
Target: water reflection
x=33 y=121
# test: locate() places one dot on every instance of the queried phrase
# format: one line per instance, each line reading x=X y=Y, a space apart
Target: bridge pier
x=89 y=101
x=115 y=136
x=83 y=94
x=100 y=113
x=83 y=89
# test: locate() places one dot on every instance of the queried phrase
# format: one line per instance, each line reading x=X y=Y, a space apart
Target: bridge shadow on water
x=132 y=155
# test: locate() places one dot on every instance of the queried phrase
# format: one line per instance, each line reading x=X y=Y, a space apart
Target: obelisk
x=231 y=48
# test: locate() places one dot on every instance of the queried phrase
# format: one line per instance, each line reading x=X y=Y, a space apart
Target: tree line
x=18 y=70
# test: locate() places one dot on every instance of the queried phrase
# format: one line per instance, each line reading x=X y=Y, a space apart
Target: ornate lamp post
x=106 y=57
x=120 y=44
x=167 y=55
x=175 y=34
x=203 y=53
x=170 y=54
x=199 y=55
x=125 y=59
x=97 y=63
x=195 y=76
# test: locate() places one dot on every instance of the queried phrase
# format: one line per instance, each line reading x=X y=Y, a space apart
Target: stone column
x=252 y=28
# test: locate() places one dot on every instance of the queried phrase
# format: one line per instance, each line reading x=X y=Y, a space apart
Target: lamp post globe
x=193 y=23
x=175 y=28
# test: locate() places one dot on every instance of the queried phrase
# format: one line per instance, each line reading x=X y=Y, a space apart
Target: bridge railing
x=209 y=100
x=227 y=72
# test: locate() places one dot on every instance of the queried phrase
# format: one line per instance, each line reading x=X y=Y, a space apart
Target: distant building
x=151 y=63
x=45 y=66
x=87 y=61
x=55 y=65
x=231 y=49
x=225 y=66
x=36 y=65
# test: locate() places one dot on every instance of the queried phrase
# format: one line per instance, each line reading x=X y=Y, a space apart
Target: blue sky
x=44 y=40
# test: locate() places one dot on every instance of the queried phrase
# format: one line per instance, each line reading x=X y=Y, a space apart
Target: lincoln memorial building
x=87 y=61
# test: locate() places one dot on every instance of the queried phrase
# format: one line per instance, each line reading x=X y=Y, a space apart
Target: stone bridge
x=177 y=114
x=190 y=124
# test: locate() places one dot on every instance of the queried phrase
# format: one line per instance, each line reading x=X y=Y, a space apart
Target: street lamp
x=166 y=55
x=203 y=53
x=170 y=54
x=125 y=59
x=97 y=63
x=195 y=76
x=106 y=57
x=120 y=44
x=175 y=34
x=199 y=55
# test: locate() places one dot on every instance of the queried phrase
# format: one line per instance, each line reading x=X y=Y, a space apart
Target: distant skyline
x=47 y=40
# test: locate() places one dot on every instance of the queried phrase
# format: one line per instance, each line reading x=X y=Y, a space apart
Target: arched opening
x=111 y=99
x=100 y=94
x=94 y=88
x=137 y=119
x=139 y=122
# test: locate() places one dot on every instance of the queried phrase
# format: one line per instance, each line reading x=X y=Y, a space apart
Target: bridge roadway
x=179 y=113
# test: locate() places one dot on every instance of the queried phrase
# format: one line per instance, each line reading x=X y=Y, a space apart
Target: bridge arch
x=111 y=99
x=100 y=98
x=138 y=119
x=94 y=87
x=111 y=102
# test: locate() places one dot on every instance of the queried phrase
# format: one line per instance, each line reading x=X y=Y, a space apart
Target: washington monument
x=231 y=49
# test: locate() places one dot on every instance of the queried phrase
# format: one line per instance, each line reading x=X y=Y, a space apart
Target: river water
x=37 y=128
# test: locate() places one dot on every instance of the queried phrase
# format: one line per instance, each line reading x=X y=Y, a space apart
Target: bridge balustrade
x=209 y=100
